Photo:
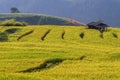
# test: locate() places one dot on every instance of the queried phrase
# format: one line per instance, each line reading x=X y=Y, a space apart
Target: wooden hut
x=98 y=25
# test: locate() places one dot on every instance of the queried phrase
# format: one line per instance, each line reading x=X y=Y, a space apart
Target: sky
x=81 y=10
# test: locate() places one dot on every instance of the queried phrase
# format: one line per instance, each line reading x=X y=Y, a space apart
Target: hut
x=98 y=25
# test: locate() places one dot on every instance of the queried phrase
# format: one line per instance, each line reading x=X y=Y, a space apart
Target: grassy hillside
x=59 y=53
x=39 y=19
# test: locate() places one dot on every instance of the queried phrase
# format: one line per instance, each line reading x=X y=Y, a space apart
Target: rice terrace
x=50 y=52
x=36 y=44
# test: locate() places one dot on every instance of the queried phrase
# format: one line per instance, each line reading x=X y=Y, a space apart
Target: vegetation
x=39 y=19
x=14 y=10
x=65 y=53
x=12 y=22
x=3 y=36
x=11 y=30
x=34 y=19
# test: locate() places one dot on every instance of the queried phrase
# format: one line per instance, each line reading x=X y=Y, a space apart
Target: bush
x=3 y=37
x=11 y=31
x=12 y=22
x=82 y=35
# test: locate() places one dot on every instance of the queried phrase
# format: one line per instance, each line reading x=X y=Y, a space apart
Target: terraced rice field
x=59 y=53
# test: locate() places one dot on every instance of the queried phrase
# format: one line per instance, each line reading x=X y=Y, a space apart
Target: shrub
x=56 y=60
x=27 y=33
x=63 y=34
x=82 y=35
x=12 y=22
x=11 y=31
x=115 y=35
x=46 y=33
x=3 y=37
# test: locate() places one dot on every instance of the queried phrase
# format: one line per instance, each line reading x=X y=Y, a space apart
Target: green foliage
x=47 y=20
x=56 y=60
x=82 y=35
x=11 y=30
x=3 y=37
x=14 y=10
x=45 y=34
x=115 y=56
x=115 y=35
x=12 y=22
x=25 y=34
x=34 y=19
x=63 y=34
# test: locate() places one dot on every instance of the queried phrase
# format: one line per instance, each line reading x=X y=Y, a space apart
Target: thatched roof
x=97 y=24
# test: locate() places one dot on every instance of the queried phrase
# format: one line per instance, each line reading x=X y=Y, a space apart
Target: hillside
x=81 y=10
x=59 y=53
x=39 y=19
x=61 y=33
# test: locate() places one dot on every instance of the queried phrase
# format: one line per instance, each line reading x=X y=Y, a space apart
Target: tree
x=14 y=10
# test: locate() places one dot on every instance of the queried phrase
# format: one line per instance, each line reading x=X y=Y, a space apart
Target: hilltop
x=40 y=19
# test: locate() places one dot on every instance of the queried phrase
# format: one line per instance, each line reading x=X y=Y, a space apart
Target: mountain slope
x=40 y=19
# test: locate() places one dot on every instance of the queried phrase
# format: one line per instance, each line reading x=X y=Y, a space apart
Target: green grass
x=91 y=57
x=34 y=19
